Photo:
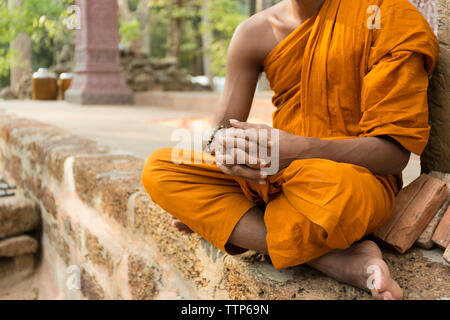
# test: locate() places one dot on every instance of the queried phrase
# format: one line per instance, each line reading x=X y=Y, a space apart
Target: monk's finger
x=245 y=172
x=226 y=145
x=259 y=134
x=250 y=177
x=251 y=147
x=241 y=157
x=238 y=124
x=236 y=156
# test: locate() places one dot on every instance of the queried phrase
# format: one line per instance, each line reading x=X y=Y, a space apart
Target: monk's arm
x=381 y=155
x=244 y=60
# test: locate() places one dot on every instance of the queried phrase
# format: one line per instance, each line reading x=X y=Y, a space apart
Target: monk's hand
x=238 y=156
x=279 y=148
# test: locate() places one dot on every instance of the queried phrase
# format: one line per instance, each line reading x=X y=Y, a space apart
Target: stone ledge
x=98 y=219
x=18 y=214
x=17 y=246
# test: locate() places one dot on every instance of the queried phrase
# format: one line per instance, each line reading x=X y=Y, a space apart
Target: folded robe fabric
x=350 y=80
x=356 y=69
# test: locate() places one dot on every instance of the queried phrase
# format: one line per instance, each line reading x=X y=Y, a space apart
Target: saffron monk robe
x=350 y=81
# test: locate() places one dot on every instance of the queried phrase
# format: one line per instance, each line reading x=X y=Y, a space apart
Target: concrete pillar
x=436 y=157
x=97 y=77
x=20 y=53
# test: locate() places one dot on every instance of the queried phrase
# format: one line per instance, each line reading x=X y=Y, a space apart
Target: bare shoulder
x=254 y=38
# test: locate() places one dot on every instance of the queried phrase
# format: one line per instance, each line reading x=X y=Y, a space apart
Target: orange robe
x=333 y=78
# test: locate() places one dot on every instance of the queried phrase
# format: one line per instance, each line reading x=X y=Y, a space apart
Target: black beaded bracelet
x=212 y=136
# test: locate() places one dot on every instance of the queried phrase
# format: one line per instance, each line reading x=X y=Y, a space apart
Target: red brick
x=414 y=207
x=441 y=236
x=446 y=255
x=425 y=240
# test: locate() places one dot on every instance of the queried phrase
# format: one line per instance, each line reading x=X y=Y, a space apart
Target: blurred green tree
x=42 y=20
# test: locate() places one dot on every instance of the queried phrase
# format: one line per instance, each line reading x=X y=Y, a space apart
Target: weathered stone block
x=48 y=202
x=16 y=170
x=32 y=139
x=33 y=184
x=116 y=189
x=18 y=214
x=72 y=231
x=17 y=123
x=13 y=270
x=414 y=207
x=179 y=249
x=97 y=253
x=17 y=246
x=441 y=236
x=90 y=287
x=141 y=279
x=56 y=240
x=58 y=155
x=88 y=168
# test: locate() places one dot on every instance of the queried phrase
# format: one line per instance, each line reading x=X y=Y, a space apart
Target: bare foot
x=180 y=226
x=361 y=265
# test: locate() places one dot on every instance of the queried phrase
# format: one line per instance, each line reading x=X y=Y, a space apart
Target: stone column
x=97 y=77
x=20 y=53
x=436 y=158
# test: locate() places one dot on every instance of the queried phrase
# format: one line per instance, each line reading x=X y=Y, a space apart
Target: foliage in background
x=42 y=21
x=225 y=16
x=129 y=32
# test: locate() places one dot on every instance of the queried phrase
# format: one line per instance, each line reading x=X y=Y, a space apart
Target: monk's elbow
x=401 y=161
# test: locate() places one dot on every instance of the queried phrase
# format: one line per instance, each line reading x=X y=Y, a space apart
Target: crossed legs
x=349 y=266
x=213 y=205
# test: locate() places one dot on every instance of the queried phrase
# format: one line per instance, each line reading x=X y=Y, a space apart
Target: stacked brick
x=420 y=216
x=19 y=217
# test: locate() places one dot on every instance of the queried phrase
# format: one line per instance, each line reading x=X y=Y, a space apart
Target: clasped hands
x=255 y=151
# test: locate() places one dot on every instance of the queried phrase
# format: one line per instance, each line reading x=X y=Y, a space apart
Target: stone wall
x=437 y=154
x=92 y=216
x=98 y=222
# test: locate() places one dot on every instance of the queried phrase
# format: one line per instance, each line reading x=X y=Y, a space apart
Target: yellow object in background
x=65 y=80
x=44 y=85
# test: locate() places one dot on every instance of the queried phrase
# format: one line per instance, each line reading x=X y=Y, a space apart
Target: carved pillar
x=97 y=77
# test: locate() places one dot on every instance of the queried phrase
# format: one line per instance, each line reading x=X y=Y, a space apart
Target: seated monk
x=350 y=80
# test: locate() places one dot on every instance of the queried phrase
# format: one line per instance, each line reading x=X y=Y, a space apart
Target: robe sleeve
x=394 y=98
